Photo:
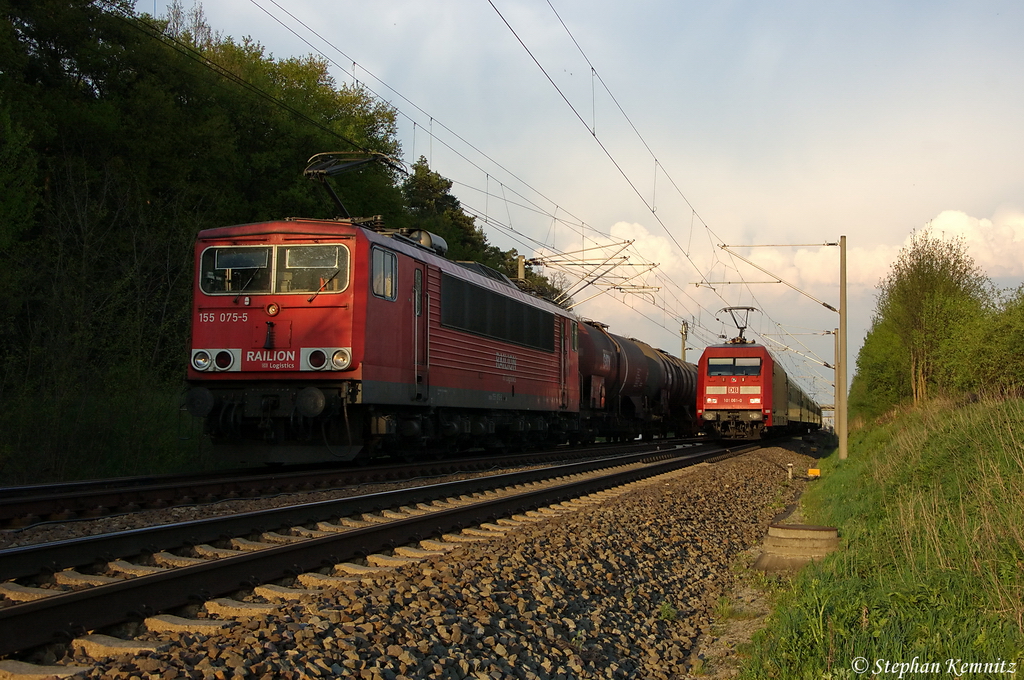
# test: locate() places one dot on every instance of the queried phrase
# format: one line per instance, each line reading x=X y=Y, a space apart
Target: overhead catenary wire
x=632 y=185
x=431 y=135
x=672 y=291
x=657 y=163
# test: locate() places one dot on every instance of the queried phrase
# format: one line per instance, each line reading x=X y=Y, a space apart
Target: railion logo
x=270 y=355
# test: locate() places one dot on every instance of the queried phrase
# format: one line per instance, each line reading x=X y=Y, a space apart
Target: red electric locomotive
x=320 y=339
x=744 y=393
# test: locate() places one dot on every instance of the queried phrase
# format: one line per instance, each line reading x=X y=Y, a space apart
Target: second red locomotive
x=744 y=393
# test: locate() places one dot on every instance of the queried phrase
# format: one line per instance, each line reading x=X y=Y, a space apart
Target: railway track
x=135 y=575
x=25 y=506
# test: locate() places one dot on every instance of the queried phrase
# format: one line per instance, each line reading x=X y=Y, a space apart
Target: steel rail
x=75 y=498
x=62 y=617
x=59 y=555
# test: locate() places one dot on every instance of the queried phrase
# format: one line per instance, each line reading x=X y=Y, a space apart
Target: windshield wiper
x=324 y=285
x=246 y=284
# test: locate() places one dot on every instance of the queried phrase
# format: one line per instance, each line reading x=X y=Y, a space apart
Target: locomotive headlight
x=341 y=359
x=201 y=360
x=273 y=308
x=224 y=360
x=317 y=359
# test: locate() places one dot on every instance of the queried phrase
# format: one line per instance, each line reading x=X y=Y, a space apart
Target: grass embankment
x=930 y=505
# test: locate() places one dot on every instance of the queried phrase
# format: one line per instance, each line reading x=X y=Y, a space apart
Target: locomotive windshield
x=270 y=269
x=734 y=366
x=236 y=270
x=309 y=269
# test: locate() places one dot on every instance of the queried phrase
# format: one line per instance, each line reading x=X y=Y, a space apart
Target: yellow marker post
x=813 y=472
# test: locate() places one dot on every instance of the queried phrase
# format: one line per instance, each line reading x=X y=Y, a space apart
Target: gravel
x=621 y=589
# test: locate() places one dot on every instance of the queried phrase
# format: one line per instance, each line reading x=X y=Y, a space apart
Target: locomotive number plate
x=223 y=317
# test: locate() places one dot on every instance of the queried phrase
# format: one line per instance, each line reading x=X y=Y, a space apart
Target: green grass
x=930 y=507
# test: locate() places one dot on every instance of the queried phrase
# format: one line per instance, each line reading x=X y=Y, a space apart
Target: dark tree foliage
x=121 y=137
x=434 y=209
x=118 y=143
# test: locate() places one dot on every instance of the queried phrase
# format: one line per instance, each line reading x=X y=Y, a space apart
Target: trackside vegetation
x=929 y=507
x=930 y=503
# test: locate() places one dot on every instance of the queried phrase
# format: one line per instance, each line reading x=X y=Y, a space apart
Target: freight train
x=340 y=339
x=744 y=393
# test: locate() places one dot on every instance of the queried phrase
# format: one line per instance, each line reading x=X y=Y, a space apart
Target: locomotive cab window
x=311 y=269
x=384 y=273
x=734 y=365
x=235 y=270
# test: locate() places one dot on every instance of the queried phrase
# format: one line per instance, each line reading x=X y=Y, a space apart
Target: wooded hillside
x=121 y=137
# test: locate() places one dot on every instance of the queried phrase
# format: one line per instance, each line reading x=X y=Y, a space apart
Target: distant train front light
x=201 y=360
x=341 y=359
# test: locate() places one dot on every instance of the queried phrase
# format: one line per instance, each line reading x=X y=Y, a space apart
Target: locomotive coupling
x=310 y=401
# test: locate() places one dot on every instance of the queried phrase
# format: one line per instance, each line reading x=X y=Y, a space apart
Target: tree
x=433 y=208
x=934 y=287
x=883 y=365
x=118 y=143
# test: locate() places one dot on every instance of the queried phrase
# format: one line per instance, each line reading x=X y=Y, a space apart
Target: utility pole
x=835 y=385
x=840 y=367
x=840 y=414
x=683 y=330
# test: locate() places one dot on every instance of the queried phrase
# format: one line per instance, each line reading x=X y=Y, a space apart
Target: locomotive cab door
x=420 y=331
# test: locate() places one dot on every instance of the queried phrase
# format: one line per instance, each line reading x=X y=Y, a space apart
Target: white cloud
x=996 y=244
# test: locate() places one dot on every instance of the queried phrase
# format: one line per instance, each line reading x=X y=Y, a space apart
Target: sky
x=686 y=125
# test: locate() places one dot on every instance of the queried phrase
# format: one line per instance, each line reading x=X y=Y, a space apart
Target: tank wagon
x=336 y=339
x=744 y=393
